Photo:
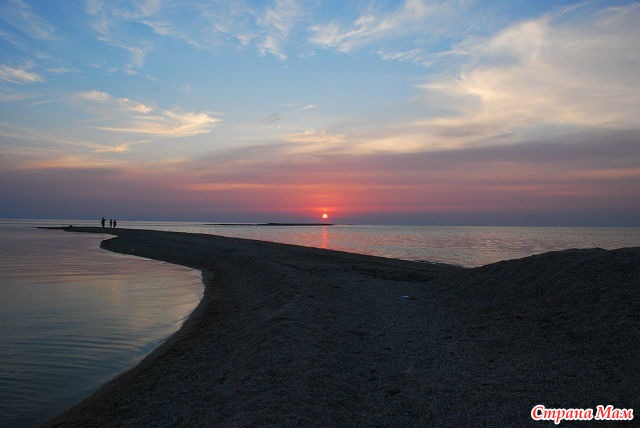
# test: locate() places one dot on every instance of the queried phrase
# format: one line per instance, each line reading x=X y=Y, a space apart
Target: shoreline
x=288 y=335
x=269 y=224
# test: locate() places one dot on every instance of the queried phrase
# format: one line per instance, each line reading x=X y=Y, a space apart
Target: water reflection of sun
x=325 y=238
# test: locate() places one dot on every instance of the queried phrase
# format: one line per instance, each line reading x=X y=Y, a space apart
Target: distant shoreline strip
x=269 y=224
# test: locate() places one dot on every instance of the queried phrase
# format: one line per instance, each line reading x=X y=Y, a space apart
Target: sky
x=443 y=112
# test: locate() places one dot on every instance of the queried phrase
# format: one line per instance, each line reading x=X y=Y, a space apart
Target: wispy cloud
x=6 y=96
x=211 y=26
x=19 y=75
x=574 y=170
x=32 y=148
x=546 y=72
x=307 y=143
x=169 y=124
x=62 y=70
x=98 y=96
x=112 y=23
x=124 y=115
x=417 y=56
x=373 y=26
x=21 y=16
x=275 y=24
x=120 y=148
x=314 y=137
x=550 y=178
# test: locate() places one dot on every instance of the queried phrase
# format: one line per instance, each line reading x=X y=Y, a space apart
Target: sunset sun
x=325 y=216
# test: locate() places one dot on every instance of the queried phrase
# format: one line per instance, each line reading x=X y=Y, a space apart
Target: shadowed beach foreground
x=295 y=336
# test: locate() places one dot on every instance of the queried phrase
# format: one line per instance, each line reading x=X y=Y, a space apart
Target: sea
x=73 y=316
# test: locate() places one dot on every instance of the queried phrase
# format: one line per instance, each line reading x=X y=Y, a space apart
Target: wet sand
x=296 y=336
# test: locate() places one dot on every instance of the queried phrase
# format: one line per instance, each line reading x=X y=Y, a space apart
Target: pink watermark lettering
x=603 y=413
x=610 y=413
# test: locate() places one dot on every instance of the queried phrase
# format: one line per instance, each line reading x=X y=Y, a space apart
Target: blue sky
x=436 y=112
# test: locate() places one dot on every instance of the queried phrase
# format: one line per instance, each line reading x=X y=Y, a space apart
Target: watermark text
x=601 y=413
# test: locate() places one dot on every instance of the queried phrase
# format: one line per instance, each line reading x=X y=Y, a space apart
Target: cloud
x=564 y=71
x=107 y=127
x=268 y=27
x=411 y=17
x=120 y=148
x=21 y=16
x=18 y=75
x=169 y=124
x=314 y=137
x=114 y=23
x=211 y=26
x=48 y=148
x=97 y=96
x=416 y=56
x=572 y=173
x=62 y=70
x=276 y=23
x=123 y=115
x=15 y=96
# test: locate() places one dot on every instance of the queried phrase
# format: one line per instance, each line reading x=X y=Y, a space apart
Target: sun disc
x=325 y=216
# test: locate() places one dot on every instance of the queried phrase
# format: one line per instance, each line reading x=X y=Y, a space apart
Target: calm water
x=466 y=246
x=72 y=316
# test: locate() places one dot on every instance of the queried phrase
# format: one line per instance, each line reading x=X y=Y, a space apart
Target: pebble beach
x=297 y=336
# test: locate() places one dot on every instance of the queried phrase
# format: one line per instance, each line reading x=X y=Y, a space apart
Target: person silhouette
x=110 y=222
x=102 y=222
x=114 y=222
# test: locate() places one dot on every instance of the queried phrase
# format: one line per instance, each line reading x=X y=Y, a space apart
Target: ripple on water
x=72 y=316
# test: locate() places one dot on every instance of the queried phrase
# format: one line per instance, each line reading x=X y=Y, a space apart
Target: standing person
x=110 y=222
x=114 y=223
x=102 y=222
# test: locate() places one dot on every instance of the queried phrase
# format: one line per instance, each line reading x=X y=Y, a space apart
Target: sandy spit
x=295 y=336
